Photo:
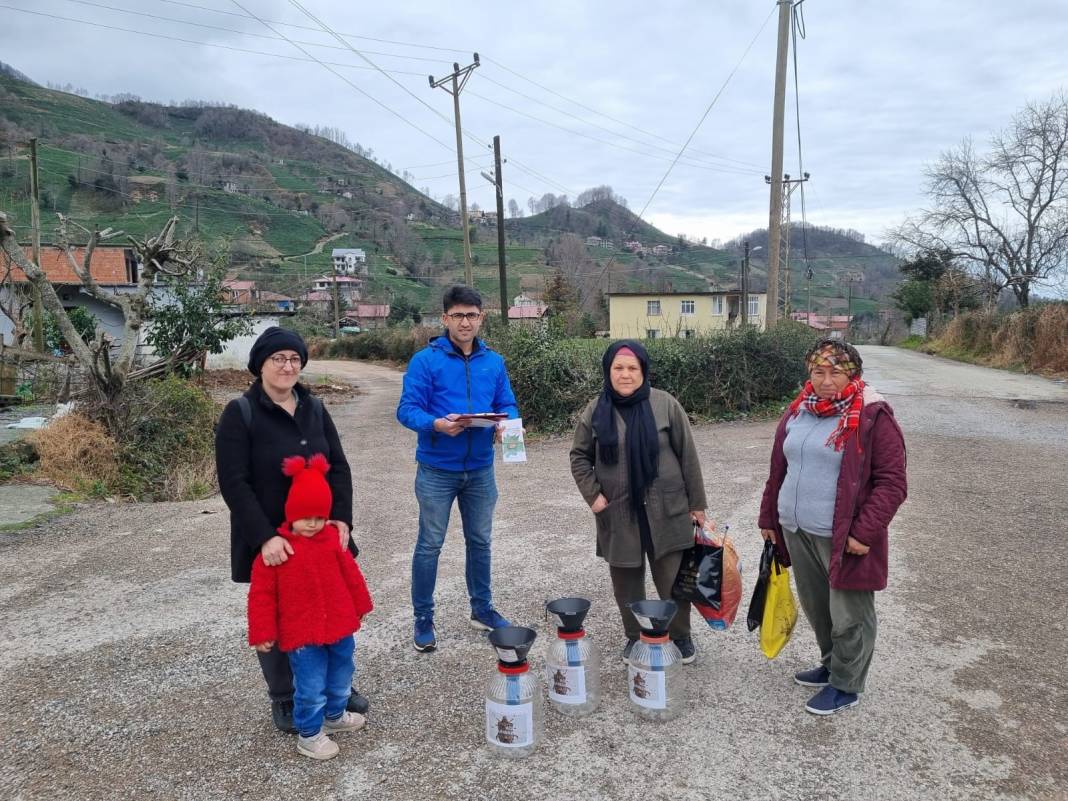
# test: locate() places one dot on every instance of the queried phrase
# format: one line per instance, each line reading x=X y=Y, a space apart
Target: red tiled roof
x=239 y=285
x=266 y=295
x=108 y=265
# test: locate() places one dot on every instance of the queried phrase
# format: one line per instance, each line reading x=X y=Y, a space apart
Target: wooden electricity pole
x=775 y=179
x=35 y=224
x=457 y=80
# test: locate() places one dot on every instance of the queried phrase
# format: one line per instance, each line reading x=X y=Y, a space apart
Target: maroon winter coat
x=315 y=597
x=871 y=487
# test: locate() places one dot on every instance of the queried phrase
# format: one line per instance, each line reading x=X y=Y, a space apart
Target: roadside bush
x=17 y=458
x=1034 y=339
x=76 y=453
x=167 y=442
x=712 y=376
x=384 y=344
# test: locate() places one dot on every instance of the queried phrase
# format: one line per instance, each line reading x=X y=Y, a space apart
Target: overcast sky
x=884 y=87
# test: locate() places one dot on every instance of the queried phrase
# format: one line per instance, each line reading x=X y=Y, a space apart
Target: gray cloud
x=884 y=88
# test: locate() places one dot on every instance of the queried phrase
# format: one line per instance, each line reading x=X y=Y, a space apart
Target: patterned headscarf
x=848 y=403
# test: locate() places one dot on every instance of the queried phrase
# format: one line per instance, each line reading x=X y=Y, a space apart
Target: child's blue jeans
x=322 y=682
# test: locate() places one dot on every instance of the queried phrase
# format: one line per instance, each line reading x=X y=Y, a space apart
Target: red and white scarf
x=847 y=404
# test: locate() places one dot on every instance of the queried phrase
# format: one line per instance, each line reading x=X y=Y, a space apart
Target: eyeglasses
x=471 y=317
x=280 y=361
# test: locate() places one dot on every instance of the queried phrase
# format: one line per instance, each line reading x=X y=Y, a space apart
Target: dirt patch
x=222 y=385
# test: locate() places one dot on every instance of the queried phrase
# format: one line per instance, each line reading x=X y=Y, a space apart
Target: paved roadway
x=125 y=673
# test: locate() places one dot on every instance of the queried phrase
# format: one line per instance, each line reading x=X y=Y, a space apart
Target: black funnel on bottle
x=654 y=617
x=569 y=613
x=512 y=643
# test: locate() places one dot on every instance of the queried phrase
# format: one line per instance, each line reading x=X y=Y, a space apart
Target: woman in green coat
x=634 y=461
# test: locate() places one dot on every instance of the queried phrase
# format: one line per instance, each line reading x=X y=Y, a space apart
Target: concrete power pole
x=35 y=223
x=337 y=303
x=457 y=80
x=788 y=186
x=497 y=179
x=775 y=179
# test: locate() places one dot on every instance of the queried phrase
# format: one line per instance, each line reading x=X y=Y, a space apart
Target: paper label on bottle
x=567 y=685
x=648 y=688
x=513 y=448
x=509 y=725
x=507 y=655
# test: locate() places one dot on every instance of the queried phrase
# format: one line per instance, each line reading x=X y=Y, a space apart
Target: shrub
x=167 y=441
x=396 y=344
x=1035 y=338
x=76 y=453
x=712 y=376
x=17 y=458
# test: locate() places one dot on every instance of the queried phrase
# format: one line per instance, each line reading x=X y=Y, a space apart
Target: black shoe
x=627 y=649
x=282 y=715
x=358 y=703
x=687 y=649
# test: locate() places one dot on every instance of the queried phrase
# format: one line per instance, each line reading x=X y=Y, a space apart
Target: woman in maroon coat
x=837 y=479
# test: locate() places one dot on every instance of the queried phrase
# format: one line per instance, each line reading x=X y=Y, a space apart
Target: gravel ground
x=126 y=674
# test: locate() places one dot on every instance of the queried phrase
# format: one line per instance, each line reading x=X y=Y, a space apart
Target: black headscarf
x=643 y=445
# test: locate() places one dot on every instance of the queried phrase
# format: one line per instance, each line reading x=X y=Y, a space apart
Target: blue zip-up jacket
x=441 y=381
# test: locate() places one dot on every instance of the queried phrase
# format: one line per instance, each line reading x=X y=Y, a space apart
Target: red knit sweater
x=315 y=597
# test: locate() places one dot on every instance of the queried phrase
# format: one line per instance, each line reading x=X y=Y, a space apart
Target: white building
x=350 y=261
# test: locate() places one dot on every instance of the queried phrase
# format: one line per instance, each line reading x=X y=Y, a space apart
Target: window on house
x=717 y=305
x=687 y=306
x=652 y=333
x=652 y=308
x=754 y=307
x=687 y=333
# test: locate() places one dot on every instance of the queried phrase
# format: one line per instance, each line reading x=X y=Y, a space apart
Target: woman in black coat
x=277 y=417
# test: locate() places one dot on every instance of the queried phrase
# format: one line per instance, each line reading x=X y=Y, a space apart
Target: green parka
x=678 y=489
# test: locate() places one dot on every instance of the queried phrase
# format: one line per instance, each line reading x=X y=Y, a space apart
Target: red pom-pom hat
x=309 y=494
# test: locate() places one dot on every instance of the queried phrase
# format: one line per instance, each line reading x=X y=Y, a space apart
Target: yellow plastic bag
x=780 y=612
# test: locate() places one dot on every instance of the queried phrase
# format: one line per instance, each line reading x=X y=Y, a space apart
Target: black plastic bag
x=760 y=590
x=700 y=576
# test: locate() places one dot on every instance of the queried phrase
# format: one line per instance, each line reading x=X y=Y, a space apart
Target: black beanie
x=270 y=342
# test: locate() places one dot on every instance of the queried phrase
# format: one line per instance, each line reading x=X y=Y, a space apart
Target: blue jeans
x=322 y=681
x=476 y=494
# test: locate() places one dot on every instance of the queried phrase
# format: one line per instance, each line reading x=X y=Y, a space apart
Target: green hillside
x=274 y=200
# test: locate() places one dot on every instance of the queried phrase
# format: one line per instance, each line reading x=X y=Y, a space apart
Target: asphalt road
x=125 y=672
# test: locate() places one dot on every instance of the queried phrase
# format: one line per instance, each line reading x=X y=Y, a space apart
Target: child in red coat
x=311 y=605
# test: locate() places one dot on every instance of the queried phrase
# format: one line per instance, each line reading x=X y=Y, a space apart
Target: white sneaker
x=318 y=746
x=349 y=721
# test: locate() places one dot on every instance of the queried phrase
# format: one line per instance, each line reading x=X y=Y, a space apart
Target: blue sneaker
x=488 y=620
x=424 y=634
x=829 y=700
x=815 y=677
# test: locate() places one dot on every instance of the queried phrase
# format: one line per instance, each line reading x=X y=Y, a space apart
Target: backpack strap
x=246 y=411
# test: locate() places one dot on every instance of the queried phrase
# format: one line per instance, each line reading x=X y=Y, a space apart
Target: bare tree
x=160 y=255
x=1003 y=213
x=513 y=208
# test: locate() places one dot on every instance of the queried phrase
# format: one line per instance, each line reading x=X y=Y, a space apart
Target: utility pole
x=337 y=303
x=35 y=224
x=775 y=179
x=497 y=179
x=788 y=186
x=745 y=288
x=457 y=80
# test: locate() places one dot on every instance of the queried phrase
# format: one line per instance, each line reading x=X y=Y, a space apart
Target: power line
x=700 y=122
x=605 y=128
x=193 y=41
x=310 y=28
x=601 y=113
x=572 y=132
x=798 y=29
x=237 y=31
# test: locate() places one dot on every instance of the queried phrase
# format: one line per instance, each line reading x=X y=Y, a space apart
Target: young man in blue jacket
x=455 y=374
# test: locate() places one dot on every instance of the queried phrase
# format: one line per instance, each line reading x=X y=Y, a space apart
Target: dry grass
x=77 y=453
x=1034 y=339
